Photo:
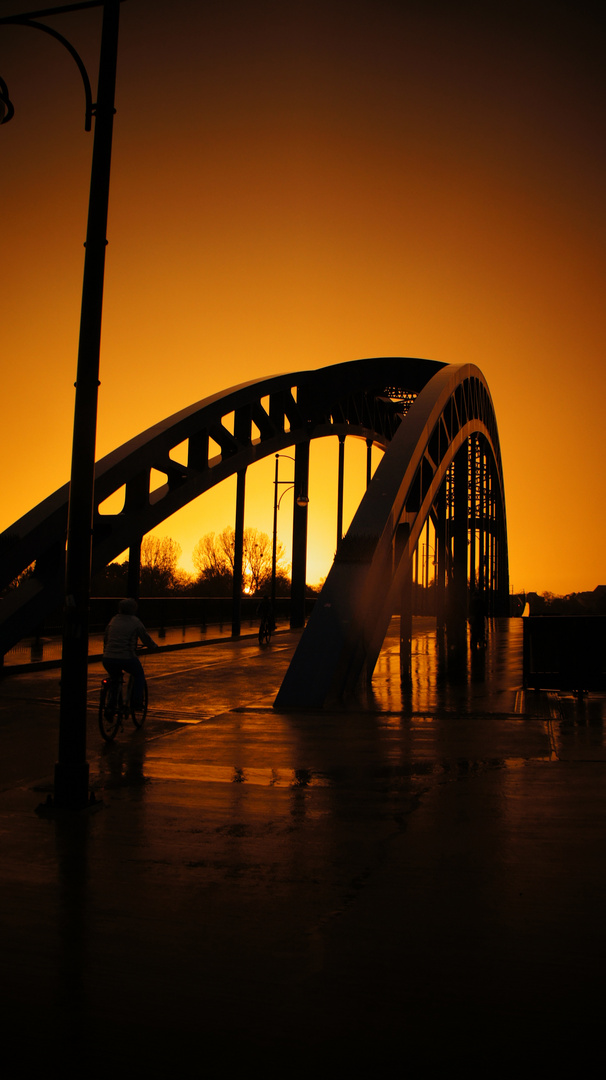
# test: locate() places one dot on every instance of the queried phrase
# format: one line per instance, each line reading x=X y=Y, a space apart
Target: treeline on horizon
x=213 y=561
x=548 y=603
x=213 y=558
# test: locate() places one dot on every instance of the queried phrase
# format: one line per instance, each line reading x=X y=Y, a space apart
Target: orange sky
x=296 y=184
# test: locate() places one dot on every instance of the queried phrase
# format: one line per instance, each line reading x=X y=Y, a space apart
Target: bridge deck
x=420 y=877
x=33 y=653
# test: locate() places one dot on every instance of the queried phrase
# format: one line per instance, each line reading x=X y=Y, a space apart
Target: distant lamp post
x=71 y=770
x=426 y=560
x=302 y=500
x=425 y=574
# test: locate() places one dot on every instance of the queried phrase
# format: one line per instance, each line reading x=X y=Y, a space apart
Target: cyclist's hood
x=128 y=606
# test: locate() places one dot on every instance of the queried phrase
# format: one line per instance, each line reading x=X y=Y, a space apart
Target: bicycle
x=265 y=631
x=115 y=706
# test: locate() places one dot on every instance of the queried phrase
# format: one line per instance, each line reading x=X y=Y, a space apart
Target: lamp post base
x=71 y=787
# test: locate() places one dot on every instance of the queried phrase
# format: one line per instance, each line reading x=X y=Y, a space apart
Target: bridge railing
x=564 y=652
x=198 y=618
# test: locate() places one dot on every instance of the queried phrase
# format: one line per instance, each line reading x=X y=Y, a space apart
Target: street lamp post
x=425 y=572
x=302 y=500
x=71 y=770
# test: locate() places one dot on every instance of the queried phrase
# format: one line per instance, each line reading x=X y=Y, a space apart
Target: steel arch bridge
x=442 y=462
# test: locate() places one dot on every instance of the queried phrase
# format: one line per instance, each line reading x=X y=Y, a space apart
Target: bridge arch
x=217 y=438
x=444 y=462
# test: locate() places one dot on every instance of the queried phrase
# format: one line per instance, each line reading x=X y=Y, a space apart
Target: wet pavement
x=415 y=880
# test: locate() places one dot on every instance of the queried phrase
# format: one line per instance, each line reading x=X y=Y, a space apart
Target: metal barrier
x=564 y=652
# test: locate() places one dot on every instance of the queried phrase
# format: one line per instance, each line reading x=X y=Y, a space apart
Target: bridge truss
x=442 y=463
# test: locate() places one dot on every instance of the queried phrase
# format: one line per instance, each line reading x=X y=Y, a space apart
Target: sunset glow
x=300 y=184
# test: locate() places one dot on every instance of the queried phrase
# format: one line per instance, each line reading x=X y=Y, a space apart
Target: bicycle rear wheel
x=109 y=716
x=139 y=712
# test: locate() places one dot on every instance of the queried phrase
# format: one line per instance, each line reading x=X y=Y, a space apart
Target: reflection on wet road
x=443 y=682
x=196 y=689
x=451 y=721
x=419 y=871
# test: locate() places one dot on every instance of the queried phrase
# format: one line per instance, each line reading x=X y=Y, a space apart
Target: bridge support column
x=441 y=558
x=405 y=609
x=482 y=535
x=299 y=537
x=340 y=486
x=502 y=572
x=457 y=601
x=489 y=525
x=134 y=569
x=236 y=612
x=473 y=503
x=368 y=461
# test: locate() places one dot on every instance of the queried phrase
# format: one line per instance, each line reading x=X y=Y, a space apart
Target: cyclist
x=119 y=644
x=265 y=613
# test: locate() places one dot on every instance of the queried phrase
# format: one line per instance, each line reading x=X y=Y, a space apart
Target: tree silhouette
x=159 y=557
x=213 y=559
x=208 y=557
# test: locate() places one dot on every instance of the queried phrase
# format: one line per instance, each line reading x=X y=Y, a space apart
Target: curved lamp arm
x=29 y=19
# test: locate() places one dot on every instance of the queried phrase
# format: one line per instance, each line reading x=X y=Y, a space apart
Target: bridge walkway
x=36 y=653
x=418 y=877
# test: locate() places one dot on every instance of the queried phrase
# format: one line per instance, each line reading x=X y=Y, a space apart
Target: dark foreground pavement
x=418 y=881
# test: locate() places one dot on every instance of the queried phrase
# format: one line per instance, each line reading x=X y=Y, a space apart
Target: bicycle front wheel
x=109 y=716
x=138 y=712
